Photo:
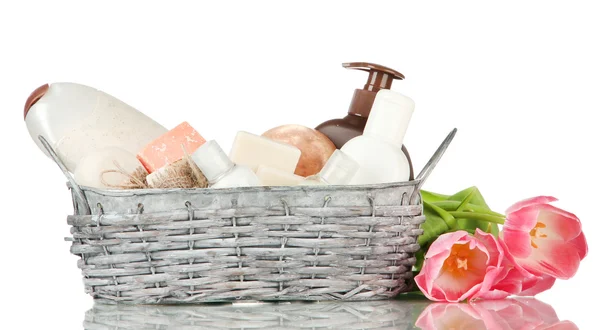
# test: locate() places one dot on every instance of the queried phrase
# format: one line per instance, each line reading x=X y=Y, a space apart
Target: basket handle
x=79 y=194
x=428 y=168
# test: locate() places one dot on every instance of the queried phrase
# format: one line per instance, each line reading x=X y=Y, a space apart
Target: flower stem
x=448 y=219
x=466 y=201
x=453 y=205
x=478 y=216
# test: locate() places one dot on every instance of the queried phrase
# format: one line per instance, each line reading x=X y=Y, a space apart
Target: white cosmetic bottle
x=378 y=151
x=339 y=170
x=219 y=170
x=77 y=119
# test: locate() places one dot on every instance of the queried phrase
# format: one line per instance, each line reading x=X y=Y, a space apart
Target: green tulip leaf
x=433 y=227
x=433 y=197
x=465 y=201
x=476 y=198
x=470 y=225
x=420 y=256
x=453 y=206
x=479 y=216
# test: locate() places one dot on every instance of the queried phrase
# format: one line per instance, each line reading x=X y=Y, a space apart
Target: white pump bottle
x=378 y=151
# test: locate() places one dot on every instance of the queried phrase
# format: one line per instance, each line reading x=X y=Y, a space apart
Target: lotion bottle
x=77 y=119
x=378 y=151
x=219 y=170
x=340 y=131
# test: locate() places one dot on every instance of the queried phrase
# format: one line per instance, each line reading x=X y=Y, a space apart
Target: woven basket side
x=230 y=247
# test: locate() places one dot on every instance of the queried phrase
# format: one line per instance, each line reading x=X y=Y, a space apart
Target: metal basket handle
x=428 y=168
x=79 y=194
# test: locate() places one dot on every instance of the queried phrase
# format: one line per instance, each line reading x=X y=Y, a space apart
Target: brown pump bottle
x=340 y=131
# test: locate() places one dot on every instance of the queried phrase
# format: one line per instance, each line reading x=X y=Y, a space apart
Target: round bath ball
x=316 y=148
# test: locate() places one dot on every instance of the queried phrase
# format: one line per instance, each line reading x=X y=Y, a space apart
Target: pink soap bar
x=167 y=148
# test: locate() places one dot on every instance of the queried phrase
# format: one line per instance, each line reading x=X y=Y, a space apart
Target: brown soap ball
x=316 y=148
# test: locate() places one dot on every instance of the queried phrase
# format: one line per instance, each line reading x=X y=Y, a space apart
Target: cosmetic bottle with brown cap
x=77 y=119
x=340 y=131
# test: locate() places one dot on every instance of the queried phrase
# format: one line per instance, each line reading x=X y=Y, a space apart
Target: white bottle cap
x=339 y=169
x=212 y=161
x=389 y=118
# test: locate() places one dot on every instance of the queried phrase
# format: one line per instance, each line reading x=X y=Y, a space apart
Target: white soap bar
x=252 y=151
x=270 y=176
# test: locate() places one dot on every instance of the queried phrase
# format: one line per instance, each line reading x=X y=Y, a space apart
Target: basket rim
x=216 y=191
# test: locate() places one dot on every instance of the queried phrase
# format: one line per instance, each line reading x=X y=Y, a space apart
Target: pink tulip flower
x=519 y=281
x=545 y=240
x=460 y=266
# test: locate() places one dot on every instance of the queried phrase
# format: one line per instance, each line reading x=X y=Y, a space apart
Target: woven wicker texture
x=329 y=315
x=261 y=243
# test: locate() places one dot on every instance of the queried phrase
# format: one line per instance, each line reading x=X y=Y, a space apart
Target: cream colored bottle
x=77 y=119
x=378 y=151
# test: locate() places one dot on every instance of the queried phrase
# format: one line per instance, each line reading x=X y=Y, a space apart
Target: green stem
x=478 y=216
x=448 y=219
x=453 y=205
x=466 y=201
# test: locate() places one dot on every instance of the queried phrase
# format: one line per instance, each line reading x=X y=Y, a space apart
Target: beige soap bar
x=270 y=176
x=252 y=151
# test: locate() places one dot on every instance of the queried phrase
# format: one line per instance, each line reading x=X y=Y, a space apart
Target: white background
x=520 y=80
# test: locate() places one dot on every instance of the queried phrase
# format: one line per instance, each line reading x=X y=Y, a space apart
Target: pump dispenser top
x=380 y=77
x=340 y=131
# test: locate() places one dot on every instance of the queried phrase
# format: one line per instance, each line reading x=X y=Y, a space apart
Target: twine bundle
x=135 y=180
x=183 y=173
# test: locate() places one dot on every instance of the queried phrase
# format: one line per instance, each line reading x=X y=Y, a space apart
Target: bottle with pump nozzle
x=77 y=119
x=340 y=131
x=219 y=170
x=378 y=151
x=339 y=170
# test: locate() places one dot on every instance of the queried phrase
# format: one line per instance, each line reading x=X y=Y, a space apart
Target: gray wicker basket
x=167 y=246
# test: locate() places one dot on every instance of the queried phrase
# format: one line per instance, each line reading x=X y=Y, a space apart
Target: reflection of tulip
x=545 y=240
x=459 y=266
x=494 y=315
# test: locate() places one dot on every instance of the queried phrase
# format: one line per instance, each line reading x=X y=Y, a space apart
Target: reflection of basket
x=263 y=243
x=390 y=314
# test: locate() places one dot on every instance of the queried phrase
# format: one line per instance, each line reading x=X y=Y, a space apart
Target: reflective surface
x=391 y=314
x=507 y=314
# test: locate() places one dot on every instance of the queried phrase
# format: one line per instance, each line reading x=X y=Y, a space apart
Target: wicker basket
x=167 y=246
